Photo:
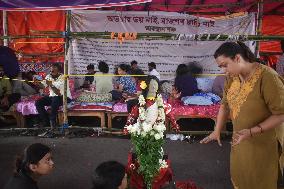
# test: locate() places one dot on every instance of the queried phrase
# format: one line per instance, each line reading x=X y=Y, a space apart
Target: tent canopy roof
x=212 y=7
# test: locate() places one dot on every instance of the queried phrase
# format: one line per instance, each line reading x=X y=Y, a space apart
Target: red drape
x=31 y=23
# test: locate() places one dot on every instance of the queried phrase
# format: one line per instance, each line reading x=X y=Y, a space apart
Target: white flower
x=152 y=133
x=161 y=113
x=143 y=133
x=160 y=100
x=142 y=117
x=129 y=127
x=160 y=127
x=141 y=111
x=141 y=100
x=158 y=136
x=163 y=164
x=134 y=129
x=146 y=127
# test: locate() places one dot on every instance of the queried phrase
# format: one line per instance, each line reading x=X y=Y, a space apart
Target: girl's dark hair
x=152 y=64
x=103 y=67
x=194 y=68
x=124 y=67
x=32 y=155
x=108 y=175
x=90 y=66
x=182 y=69
x=231 y=49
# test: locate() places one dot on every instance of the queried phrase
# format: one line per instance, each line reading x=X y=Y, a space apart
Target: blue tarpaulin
x=25 y=5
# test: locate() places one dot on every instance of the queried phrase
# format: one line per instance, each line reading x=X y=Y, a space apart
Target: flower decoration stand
x=136 y=180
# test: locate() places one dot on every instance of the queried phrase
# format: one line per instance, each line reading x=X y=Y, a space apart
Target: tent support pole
x=259 y=26
x=5 y=27
x=66 y=47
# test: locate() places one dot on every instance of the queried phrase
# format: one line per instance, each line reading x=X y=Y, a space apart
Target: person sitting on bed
x=125 y=83
x=132 y=100
x=185 y=84
x=89 y=79
x=55 y=82
x=7 y=97
x=103 y=80
x=25 y=88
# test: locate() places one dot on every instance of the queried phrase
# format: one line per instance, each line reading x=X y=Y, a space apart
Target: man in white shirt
x=55 y=82
x=152 y=70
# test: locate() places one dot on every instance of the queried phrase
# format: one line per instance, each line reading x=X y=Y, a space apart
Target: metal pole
x=67 y=40
x=259 y=26
x=5 y=28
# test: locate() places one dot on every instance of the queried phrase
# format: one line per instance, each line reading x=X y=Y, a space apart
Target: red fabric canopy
x=25 y=23
x=30 y=23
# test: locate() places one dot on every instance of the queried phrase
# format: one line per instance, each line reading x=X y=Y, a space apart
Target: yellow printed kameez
x=254 y=163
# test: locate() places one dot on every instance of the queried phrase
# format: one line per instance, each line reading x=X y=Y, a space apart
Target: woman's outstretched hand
x=241 y=135
x=215 y=135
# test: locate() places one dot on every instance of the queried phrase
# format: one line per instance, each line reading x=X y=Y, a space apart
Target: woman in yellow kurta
x=254 y=99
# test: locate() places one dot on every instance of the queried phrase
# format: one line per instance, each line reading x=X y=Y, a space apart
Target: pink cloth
x=119 y=107
x=27 y=105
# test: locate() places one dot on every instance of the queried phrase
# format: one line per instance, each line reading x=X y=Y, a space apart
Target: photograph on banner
x=167 y=54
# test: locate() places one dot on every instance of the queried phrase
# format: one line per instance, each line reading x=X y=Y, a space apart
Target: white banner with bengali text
x=167 y=54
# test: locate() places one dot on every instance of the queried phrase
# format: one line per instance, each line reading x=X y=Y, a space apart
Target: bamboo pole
x=5 y=27
x=67 y=41
x=156 y=36
x=9 y=37
x=170 y=36
x=259 y=26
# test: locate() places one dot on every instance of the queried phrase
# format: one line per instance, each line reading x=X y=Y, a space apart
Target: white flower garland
x=142 y=127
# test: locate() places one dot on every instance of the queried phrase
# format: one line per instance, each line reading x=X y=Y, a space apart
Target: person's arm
x=120 y=87
x=55 y=90
x=57 y=85
x=275 y=103
x=17 y=87
x=270 y=123
x=222 y=118
x=175 y=93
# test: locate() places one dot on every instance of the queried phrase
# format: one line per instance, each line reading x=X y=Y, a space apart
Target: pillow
x=196 y=100
x=94 y=97
x=205 y=84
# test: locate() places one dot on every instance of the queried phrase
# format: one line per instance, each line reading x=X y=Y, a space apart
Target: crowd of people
x=252 y=99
